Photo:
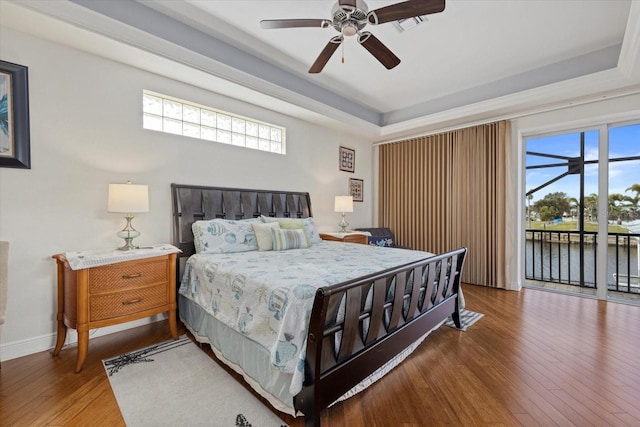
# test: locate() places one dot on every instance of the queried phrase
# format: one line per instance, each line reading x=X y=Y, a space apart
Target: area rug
x=174 y=383
x=467 y=318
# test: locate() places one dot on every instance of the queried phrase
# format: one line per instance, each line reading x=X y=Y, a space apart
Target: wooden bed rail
x=358 y=326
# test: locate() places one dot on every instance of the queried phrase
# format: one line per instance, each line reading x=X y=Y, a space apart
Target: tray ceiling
x=496 y=55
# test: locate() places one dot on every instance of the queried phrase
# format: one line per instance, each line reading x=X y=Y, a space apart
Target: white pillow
x=223 y=236
x=263 y=235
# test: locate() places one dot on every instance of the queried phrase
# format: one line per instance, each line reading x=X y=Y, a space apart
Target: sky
x=624 y=141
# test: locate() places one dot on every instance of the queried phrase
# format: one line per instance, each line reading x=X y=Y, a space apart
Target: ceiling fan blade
x=404 y=10
x=269 y=24
x=379 y=50
x=325 y=55
x=348 y=5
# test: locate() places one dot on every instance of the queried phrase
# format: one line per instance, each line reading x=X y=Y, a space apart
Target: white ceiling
x=470 y=44
x=477 y=58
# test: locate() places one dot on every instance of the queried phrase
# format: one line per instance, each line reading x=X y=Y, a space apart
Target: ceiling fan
x=349 y=17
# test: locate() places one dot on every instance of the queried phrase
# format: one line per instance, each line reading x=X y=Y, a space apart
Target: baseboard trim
x=15 y=349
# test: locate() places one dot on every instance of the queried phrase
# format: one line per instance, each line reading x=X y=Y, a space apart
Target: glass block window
x=166 y=114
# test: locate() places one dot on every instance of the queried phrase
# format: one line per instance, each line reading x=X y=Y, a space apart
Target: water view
x=561 y=263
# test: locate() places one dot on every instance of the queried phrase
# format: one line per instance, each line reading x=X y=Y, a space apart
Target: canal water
x=562 y=261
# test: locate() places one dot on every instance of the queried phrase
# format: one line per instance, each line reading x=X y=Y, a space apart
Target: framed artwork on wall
x=14 y=116
x=347 y=159
x=356 y=190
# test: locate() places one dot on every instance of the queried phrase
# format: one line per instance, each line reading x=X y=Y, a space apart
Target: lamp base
x=343 y=224
x=128 y=233
x=128 y=246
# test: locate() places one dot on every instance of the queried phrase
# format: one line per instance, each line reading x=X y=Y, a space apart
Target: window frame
x=168 y=116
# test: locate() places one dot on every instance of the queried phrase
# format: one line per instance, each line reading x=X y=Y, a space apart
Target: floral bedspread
x=268 y=296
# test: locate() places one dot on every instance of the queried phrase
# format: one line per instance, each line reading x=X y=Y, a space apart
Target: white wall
x=86 y=132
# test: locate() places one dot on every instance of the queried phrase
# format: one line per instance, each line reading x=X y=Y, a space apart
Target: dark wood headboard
x=193 y=202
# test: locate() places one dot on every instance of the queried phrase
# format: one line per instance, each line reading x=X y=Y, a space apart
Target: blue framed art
x=14 y=116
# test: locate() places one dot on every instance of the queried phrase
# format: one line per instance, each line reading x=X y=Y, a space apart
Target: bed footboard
x=358 y=326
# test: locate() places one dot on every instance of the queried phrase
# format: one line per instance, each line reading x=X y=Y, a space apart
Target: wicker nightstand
x=351 y=237
x=120 y=291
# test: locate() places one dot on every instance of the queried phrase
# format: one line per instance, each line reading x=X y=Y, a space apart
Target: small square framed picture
x=347 y=159
x=355 y=189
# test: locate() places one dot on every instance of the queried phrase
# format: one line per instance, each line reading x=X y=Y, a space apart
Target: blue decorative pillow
x=223 y=236
x=381 y=241
x=312 y=230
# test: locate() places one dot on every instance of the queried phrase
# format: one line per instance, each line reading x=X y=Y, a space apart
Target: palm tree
x=635 y=200
x=574 y=206
x=617 y=208
x=591 y=203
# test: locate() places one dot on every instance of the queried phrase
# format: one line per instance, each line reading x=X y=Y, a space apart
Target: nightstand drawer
x=129 y=275
x=106 y=306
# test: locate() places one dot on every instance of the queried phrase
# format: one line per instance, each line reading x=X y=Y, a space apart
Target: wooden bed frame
x=383 y=314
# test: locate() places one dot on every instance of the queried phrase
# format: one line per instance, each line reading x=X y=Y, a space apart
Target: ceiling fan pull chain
x=342 y=45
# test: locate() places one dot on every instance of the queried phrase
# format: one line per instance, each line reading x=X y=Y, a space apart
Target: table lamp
x=128 y=199
x=343 y=204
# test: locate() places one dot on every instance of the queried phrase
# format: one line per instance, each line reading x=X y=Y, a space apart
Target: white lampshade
x=128 y=198
x=343 y=204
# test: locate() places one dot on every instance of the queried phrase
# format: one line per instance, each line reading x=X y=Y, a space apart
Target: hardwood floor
x=535 y=358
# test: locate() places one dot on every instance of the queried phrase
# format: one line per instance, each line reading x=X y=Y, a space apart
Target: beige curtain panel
x=444 y=191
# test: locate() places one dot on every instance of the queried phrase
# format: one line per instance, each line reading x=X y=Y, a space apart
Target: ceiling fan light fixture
x=349 y=29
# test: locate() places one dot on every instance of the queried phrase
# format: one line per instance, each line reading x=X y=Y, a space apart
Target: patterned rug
x=467 y=318
x=174 y=383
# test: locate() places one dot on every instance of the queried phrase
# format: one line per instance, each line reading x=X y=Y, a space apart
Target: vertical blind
x=445 y=191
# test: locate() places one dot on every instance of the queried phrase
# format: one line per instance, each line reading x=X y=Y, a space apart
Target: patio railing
x=554 y=257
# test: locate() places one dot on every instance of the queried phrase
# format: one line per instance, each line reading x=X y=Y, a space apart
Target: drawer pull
x=132 y=301
x=132 y=276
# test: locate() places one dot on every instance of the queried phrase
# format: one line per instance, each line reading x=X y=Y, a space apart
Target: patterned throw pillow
x=217 y=236
x=381 y=241
x=288 y=239
x=310 y=228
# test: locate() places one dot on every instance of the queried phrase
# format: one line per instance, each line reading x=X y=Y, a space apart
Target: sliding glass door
x=623 y=211
x=562 y=197
x=582 y=215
